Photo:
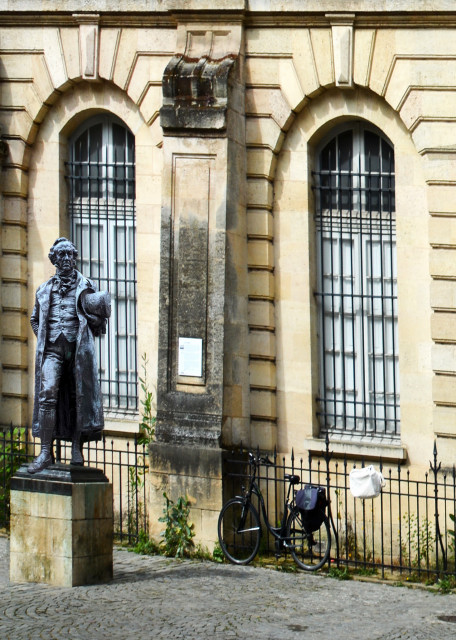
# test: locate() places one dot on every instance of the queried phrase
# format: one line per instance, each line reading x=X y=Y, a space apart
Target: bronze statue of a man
x=68 y=313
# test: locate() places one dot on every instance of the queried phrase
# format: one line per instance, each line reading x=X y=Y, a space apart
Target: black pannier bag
x=311 y=501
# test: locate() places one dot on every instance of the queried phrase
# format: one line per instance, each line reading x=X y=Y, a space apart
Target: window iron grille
x=101 y=208
x=357 y=286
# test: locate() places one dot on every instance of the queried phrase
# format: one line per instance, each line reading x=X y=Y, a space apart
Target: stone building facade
x=270 y=189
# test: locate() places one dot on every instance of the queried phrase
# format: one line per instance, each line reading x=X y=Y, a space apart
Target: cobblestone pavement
x=156 y=597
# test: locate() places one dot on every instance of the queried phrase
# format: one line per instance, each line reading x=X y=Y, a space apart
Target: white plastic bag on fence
x=366 y=482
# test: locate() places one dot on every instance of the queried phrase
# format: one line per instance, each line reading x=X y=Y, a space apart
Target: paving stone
x=166 y=598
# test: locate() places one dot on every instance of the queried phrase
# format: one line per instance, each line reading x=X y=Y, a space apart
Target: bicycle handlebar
x=257 y=460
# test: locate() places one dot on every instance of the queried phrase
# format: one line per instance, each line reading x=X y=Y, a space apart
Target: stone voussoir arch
x=46 y=196
x=292 y=207
x=268 y=138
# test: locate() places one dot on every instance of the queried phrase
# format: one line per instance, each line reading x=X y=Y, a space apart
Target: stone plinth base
x=201 y=474
x=195 y=472
x=61 y=526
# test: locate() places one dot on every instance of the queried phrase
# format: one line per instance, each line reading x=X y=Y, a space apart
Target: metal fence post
x=435 y=468
x=327 y=456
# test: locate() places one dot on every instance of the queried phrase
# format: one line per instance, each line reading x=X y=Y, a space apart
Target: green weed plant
x=148 y=418
x=179 y=532
x=340 y=574
x=446 y=585
x=13 y=450
x=418 y=541
x=136 y=474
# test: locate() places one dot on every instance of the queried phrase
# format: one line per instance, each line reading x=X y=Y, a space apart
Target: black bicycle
x=304 y=532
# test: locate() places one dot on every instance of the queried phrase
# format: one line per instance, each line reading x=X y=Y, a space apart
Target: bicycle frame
x=239 y=525
x=277 y=532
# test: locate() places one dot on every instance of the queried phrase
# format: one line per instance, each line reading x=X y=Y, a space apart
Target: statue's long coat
x=87 y=414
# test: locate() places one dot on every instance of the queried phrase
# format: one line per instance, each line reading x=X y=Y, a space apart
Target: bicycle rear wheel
x=239 y=531
x=310 y=551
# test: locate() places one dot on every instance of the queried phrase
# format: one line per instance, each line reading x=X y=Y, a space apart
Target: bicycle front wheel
x=311 y=550
x=239 y=531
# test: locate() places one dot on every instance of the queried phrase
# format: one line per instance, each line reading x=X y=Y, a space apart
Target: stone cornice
x=165 y=19
x=361 y=20
x=55 y=19
x=87 y=18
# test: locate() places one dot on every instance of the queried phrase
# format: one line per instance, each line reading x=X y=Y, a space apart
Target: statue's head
x=63 y=255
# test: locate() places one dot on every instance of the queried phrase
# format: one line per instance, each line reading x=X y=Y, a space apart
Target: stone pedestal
x=200 y=474
x=61 y=526
x=194 y=472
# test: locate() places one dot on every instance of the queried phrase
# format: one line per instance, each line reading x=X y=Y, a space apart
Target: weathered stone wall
x=293 y=73
x=44 y=98
x=406 y=71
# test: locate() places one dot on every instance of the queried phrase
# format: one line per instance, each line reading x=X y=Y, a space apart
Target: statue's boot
x=47 y=419
x=76 y=453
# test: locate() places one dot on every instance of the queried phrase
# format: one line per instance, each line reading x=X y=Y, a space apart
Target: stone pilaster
x=13 y=271
x=203 y=392
x=203 y=248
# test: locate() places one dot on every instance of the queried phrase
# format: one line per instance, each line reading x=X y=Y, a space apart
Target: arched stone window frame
x=356 y=289
x=48 y=216
x=101 y=207
x=295 y=309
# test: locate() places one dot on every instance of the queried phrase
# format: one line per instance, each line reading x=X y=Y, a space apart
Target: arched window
x=101 y=207
x=357 y=284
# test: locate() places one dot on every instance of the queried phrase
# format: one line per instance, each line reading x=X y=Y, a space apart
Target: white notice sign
x=190 y=357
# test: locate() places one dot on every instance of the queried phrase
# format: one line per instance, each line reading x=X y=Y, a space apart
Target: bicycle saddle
x=292 y=479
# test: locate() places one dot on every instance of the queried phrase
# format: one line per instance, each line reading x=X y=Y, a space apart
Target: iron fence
x=125 y=467
x=407 y=530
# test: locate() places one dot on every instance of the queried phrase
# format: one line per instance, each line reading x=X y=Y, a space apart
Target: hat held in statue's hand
x=99 y=303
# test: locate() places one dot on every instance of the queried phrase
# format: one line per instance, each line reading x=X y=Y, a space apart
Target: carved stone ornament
x=195 y=82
